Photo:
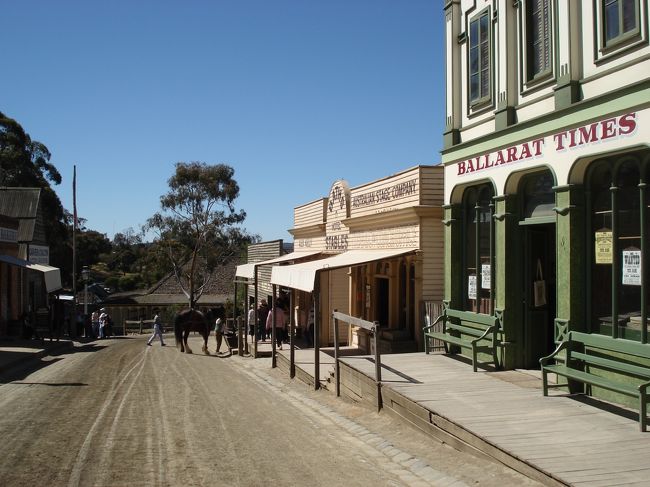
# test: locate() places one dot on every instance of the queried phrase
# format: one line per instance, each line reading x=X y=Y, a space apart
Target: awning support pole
x=317 y=333
x=274 y=362
x=292 y=329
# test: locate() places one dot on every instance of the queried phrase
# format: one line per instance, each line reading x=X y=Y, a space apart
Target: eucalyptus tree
x=25 y=163
x=197 y=224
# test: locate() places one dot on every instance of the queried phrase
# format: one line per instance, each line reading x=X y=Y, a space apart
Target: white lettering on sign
x=593 y=133
x=39 y=254
x=8 y=235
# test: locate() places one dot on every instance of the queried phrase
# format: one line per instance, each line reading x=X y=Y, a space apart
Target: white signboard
x=486 y=276
x=39 y=254
x=471 y=287
x=632 y=267
x=8 y=235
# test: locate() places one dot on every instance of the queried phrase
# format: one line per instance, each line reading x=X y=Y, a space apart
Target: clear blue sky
x=294 y=94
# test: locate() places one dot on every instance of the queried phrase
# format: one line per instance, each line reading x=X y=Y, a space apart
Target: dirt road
x=116 y=412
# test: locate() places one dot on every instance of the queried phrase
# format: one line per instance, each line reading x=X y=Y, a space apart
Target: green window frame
x=478 y=248
x=480 y=59
x=538 y=38
x=620 y=21
x=618 y=226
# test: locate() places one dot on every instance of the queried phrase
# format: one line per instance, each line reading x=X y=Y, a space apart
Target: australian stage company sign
x=597 y=132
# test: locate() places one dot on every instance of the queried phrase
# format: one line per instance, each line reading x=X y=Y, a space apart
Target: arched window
x=618 y=203
x=478 y=249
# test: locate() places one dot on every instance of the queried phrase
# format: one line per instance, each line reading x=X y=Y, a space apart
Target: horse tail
x=178 y=329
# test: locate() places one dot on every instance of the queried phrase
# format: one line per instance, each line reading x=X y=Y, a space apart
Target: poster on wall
x=632 y=266
x=603 y=250
x=486 y=276
x=471 y=286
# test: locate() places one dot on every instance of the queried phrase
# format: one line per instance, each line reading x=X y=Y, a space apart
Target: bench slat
x=610 y=364
x=594 y=380
x=612 y=344
x=487 y=320
x=476 y=332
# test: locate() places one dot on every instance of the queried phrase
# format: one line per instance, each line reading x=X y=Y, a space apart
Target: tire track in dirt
x=84 y=450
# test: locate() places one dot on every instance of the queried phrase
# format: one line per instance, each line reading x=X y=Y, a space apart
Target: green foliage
x=196 y=227
x=90 y=245
x=25 y=163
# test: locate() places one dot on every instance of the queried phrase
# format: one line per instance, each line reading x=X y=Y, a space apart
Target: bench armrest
x=489 y=330
x=643 y=388
x=436 y=321
x=544 y=360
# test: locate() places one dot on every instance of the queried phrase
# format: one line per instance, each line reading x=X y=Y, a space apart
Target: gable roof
x=22 y=204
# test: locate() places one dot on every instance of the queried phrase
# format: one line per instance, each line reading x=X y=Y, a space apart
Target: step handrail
x=373 y=328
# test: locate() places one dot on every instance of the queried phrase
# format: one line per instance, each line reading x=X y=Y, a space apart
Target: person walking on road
x=218 y=332
x=157 y=329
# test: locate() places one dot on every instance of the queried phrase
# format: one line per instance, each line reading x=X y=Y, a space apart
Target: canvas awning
x=303 y=276
x=52 y=275
x=247 y=271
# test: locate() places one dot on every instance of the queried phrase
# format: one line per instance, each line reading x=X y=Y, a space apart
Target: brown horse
x=191 y=320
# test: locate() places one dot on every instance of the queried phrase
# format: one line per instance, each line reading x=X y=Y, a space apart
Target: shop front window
x=538 y=41
x=621 y=20
x=479 y=58
x=478 y=256
x=618 y=204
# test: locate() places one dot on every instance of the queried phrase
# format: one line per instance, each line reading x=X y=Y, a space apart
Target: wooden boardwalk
x=557 y=439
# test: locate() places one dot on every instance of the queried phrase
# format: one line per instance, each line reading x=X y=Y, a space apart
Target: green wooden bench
x=581 y=350
x=464 y=329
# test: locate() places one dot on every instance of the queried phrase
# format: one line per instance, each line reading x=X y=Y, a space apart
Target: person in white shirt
x=251 y=320
x=157 y=329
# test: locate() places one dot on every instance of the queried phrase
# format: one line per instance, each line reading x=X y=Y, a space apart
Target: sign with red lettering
x=594 y=133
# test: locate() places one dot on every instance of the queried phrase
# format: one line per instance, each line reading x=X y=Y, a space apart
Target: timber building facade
x=373 y=251
x=547 y=160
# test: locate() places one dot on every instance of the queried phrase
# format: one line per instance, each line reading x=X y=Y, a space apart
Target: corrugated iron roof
x=19 y=202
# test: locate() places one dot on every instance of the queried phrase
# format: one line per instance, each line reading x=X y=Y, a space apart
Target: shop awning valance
x=303 y=276
x=247 y=271
x=52 y=275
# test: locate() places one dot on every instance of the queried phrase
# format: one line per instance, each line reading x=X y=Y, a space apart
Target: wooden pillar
x=317 y=332
x=274 y=363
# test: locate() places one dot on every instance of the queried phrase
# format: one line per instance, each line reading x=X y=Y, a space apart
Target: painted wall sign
x=8 y=235
x=486 y=276
x=632 y=267
x=304 y=243
x=594 y=133
x=471 y=286
x=338 y=208
x=338 y=202
x=39 y=254
x=603 y=249
x=383 y=195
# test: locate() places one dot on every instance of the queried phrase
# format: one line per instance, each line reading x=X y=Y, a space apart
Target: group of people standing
x=263 y=327
x=100 y=324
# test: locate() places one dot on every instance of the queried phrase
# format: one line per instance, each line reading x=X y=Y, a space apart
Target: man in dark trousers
x=262 y=313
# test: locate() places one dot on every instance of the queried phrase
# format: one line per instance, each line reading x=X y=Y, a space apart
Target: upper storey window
x=479 y=58
x=621 y=21
x=538 y=45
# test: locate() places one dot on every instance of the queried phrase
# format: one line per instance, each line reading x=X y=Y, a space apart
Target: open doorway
x=539 y=286
x=382 y=301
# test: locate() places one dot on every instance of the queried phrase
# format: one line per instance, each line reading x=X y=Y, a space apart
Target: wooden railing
x=139 y=325
x=373 y=328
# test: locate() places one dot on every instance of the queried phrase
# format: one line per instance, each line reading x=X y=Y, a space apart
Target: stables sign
x=594 y=133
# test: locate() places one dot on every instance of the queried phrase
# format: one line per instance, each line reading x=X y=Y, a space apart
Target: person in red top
x=279 y=324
